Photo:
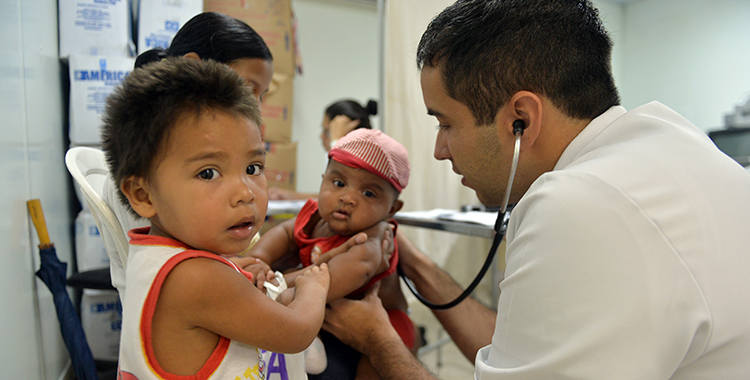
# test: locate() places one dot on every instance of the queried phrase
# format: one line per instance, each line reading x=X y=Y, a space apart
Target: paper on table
x=279 y=207
x=476 y=217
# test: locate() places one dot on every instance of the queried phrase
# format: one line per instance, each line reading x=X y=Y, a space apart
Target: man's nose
x=441 y=151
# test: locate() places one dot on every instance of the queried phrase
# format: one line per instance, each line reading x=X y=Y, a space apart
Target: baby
x=183 y=145
x=366 y=172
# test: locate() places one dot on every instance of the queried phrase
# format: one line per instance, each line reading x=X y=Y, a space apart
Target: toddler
x=183 y=145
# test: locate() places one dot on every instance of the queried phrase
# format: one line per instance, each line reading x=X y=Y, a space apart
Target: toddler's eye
x=255 y=169
x=338 y=183
x=208 y=174
x=369 y=194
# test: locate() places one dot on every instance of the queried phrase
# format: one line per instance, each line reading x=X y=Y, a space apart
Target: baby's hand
x=314 y=276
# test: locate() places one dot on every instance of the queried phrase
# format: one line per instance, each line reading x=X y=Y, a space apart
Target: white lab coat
x=629 y=260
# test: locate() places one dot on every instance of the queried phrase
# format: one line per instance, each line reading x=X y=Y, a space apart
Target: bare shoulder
x=193 y=279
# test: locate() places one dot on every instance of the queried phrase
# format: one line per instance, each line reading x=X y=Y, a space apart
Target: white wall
x=31 y=153
x=338 y=42
x=692 y=55
x=611 y=14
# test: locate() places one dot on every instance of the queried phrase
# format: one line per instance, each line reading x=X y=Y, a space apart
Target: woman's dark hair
x=353 y=110
x=214 y=36
x=487 y=50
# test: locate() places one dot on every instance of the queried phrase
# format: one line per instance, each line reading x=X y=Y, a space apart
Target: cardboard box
x=276 y=110
x=101 y=318
x=95 y=27
x=272 y=19
x=281 y=165
x=90 y=251
x=159 y=21
x=92 y=79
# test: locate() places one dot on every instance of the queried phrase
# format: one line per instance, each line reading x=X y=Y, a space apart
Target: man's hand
x=343 y=248
x=383 y=229
x=359 y=323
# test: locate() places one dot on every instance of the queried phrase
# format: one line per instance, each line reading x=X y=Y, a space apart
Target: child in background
x=366 y=172
x=183 y=145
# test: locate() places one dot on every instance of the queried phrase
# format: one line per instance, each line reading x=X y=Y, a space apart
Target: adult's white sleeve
x=592 y=290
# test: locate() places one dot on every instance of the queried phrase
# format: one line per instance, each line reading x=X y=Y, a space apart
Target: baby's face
x=208 y=189
x=352 y=200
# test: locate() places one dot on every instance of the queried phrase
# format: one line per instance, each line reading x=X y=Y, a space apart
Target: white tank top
x=150 y=259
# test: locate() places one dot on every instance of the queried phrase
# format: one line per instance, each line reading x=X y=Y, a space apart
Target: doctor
x=629 y=246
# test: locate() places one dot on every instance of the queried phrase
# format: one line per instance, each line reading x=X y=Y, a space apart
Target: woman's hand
x=340 y=126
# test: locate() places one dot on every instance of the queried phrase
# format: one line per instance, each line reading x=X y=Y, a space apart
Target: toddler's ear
x=136 y=190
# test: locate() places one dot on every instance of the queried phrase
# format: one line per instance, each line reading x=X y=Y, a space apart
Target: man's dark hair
x=143 y=109
x=487 y=50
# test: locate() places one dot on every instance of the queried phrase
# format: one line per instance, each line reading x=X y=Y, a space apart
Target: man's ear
x=525 y=106
x=136 y=190
x=192 y=55
x=395 y=207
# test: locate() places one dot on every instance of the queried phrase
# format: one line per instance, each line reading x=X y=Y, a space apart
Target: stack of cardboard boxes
x=273 y=20
x=97 y=44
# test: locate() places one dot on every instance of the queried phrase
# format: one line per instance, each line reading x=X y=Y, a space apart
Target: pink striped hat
x=376 y=152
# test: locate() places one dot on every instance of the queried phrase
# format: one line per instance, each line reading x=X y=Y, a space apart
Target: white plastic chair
x=89 y=169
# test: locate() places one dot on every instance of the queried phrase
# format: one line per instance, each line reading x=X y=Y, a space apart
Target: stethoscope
x=501 y=226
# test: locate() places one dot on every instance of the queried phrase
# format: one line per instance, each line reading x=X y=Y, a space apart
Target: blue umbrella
x=53 y=272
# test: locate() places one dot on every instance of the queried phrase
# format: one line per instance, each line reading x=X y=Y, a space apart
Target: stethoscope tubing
x=501 y=226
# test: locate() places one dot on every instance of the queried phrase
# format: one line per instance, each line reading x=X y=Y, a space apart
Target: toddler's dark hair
x=141 y=112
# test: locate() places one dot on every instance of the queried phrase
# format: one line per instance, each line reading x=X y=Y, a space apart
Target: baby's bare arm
x=275 y=243
x=271 y=247
x=354 y=268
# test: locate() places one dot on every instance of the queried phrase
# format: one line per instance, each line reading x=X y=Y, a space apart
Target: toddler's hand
x=314 y=276
x=261 y=271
